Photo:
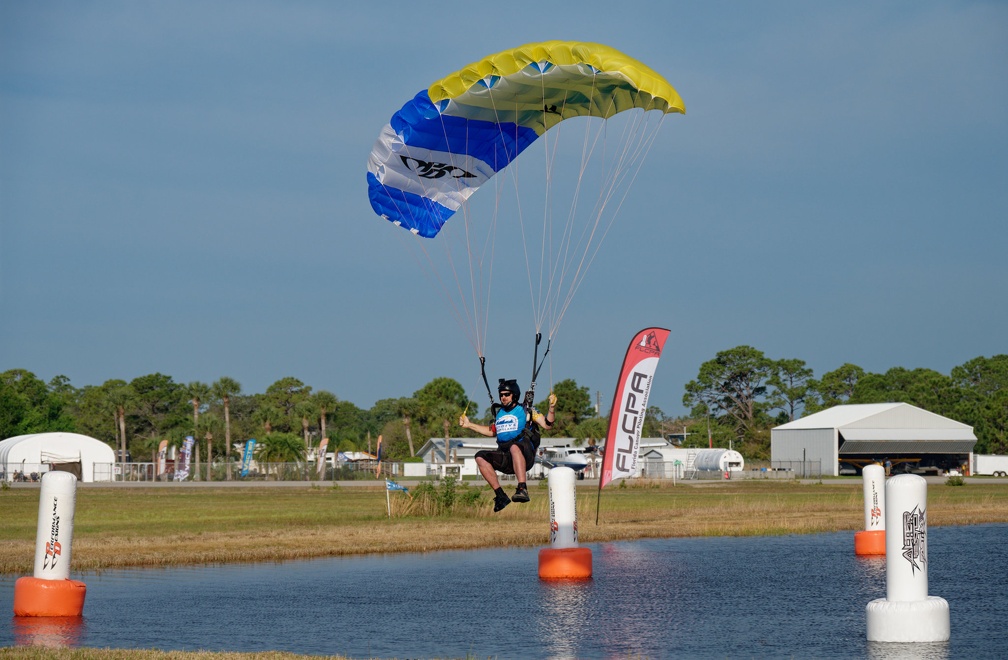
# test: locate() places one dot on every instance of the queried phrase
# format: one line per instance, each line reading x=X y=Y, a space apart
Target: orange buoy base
x=869 y=542
x=37 y=597
x=565 y=563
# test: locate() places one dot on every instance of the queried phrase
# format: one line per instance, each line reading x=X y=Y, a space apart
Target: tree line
x=745 y=394
x=287 y=420
x=736 y=398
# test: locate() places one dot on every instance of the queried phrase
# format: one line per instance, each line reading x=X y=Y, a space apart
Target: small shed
x=26 y=457
x=848 y=437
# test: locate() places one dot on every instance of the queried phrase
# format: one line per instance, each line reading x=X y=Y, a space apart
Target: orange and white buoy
x=871 y=541
x=50 y=591
x=564 y=559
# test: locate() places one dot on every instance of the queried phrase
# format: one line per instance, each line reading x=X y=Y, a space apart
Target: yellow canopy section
x=654 y=92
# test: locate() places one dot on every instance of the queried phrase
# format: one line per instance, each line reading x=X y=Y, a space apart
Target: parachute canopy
x=454 y=136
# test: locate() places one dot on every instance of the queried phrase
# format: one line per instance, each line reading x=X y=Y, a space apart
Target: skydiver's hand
x=552 y=400
x=464 y=421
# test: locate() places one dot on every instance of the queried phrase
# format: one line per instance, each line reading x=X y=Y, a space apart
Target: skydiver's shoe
x=501 y=500
x=521 y=494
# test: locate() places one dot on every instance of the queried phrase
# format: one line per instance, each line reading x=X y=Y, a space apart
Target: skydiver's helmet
x=512 y=387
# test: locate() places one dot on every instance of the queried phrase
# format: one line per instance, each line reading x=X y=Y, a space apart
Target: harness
x=531 y=431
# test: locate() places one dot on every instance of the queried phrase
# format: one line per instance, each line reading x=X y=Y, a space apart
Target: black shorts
x=500 y=458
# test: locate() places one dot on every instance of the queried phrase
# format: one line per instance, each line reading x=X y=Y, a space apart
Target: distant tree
x=223 y=390
x=325 y=404
x=833 y=389
x=573 y=407
x=27 y=405
x=120 y=394
x=159 y=406
x=982 y=384
x=731 y=385
x=789 y=386
x=280 y=448
x=198 y=394
x=285 y=395
x=95 y=414
x=306 y=411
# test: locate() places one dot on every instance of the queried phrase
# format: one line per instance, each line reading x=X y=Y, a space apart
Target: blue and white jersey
x=509 y=424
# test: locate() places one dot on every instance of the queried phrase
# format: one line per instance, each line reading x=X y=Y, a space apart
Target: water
x=767 y=597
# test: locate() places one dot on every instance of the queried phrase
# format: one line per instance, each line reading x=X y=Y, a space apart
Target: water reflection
x=48 y=631
x=908 y=651
x=566 y=606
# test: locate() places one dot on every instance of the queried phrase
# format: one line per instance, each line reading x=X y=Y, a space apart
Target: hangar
x=26 y=457
x=846 y=438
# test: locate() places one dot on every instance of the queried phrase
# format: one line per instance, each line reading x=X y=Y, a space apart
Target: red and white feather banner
x=630 y=405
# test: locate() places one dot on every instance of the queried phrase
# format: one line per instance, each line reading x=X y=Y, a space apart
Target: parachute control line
x=564 y=559
x=50 y=591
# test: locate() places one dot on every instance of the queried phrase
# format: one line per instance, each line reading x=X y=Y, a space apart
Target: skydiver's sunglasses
x=504 y=394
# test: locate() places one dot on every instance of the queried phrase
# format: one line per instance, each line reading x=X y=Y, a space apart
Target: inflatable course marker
x=51 y=592
x=907 y=613
x=872 y=540
x=564 y=560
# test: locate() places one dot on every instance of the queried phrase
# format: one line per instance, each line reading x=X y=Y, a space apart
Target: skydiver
x=515 y=453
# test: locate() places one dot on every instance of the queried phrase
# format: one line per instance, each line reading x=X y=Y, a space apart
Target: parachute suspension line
x=473 y=308
x=574 y=250
x=435 y=275
x=629 y=163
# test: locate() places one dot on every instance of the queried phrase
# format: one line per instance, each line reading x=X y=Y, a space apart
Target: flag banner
x=182 y=464
x=247 y=456
x=321 y=457
x=162 y=456
x=391 y=485
x=378 y=452
x=626 y=420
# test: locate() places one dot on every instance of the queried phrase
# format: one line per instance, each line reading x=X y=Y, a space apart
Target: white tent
x=24 y=455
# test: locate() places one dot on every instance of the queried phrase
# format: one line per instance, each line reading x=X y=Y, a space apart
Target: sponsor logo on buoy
x=914 y=539
x=53 y=547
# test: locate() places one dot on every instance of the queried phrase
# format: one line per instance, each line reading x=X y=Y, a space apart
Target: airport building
x=902 y=437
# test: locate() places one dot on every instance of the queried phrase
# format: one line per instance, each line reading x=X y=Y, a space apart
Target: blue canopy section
x=412 y=211
x=424 y=195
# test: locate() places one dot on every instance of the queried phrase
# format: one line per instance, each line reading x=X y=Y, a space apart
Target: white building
x=25 y=455
x=851 y=436
x=657 y=458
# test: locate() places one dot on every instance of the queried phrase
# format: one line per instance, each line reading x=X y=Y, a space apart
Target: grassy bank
x=136 y=527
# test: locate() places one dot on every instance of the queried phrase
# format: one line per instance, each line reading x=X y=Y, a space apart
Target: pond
x=790 y=596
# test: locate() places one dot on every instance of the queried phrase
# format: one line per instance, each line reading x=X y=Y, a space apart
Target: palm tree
x=280 y=448
x=210 y=423
x=408 y=407
x=306 y=410
x=119 y=395
x=198 y=393
x=224 y=389
x=325 y=403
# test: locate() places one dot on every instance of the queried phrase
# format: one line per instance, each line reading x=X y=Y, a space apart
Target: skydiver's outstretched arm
x=546 y=421
x=479 y=428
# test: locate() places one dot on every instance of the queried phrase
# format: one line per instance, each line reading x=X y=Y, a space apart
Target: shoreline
x=207 y=523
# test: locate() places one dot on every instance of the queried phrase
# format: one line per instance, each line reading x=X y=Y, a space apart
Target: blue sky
x=182 y=190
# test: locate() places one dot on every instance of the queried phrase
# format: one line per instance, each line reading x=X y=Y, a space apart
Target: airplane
x=575 y=458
